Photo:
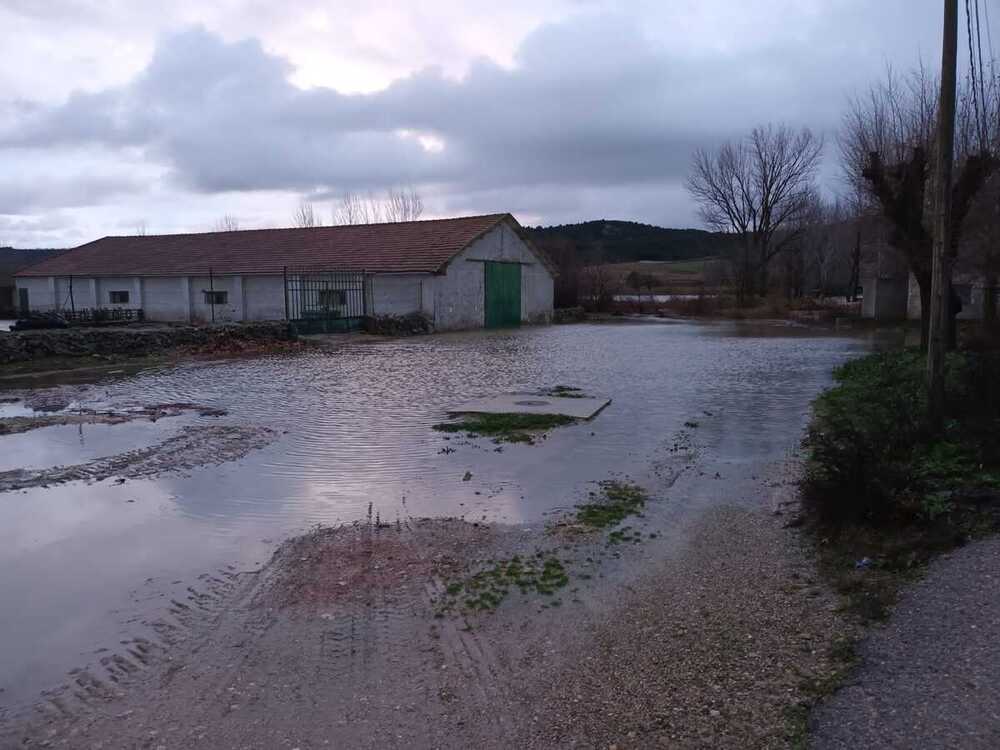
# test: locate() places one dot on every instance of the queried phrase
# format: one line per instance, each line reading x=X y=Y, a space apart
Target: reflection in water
x=354 y=428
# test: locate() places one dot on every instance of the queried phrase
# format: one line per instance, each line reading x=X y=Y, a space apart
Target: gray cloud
x=594 y=105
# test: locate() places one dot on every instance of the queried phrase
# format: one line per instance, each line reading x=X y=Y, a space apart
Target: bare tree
x=983 y=238
x=398 y=205
x=304 y=215
x=598 y=286
x=757 y=189
x=886 y=143
x=141 y=229
x=403 y=205
x=227 y=223
x=358 y=209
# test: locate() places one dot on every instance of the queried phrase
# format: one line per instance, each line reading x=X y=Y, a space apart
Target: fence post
x=211 y=292
x=364 y=293
x=284 y=276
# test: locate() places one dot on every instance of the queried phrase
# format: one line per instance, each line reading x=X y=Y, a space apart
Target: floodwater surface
x=84 y=566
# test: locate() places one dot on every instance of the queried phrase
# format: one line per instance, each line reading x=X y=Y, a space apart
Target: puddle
x=75 y=443
x=82 y=567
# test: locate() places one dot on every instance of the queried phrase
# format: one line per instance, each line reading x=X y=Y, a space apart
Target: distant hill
x=629 y=241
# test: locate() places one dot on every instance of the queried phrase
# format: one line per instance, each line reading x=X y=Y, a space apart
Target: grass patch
x=884 y=487
x=506 y=428
x=620 y=500
x=486 y=590
x=624 y=535
x=564 y=391
x=873 y=457
x=885 y=492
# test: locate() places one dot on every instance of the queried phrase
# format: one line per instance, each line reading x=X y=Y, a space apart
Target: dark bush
x=411 y=324
x=872 y=455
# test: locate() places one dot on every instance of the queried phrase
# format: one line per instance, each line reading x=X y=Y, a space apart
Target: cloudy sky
x=116 y=113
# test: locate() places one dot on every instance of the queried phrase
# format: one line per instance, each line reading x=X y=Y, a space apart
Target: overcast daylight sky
x=115 y=113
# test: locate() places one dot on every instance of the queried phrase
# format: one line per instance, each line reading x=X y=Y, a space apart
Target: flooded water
x=83 y=566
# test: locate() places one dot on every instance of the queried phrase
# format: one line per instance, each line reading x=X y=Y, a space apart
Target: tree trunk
x=762 y=274
x=989 y=303
x=856 y=267
x=924 y=283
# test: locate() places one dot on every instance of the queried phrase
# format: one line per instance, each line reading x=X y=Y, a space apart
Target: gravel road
x=703 y=643
x=931 y=677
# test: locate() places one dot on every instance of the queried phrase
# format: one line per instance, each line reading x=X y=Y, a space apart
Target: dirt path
x=931 y=677
x=339 y=642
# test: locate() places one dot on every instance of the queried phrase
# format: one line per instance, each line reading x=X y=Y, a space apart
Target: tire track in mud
x=195 y=446
x=90 y=689
x=339 y=624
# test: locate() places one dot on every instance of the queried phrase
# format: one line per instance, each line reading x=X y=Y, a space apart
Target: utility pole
x=941 y=271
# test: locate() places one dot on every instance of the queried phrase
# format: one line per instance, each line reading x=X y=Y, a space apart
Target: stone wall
x=82 y=342
x=569 y=315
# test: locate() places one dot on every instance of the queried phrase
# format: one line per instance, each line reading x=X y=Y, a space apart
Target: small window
x=215 y=297
x=118 y=298
x=330 y=298
x=964 y=292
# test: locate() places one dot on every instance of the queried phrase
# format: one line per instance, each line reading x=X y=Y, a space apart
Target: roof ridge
x=421 y=246
x=498 y=216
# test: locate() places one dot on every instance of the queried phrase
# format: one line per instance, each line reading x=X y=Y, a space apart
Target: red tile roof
x=413 y=246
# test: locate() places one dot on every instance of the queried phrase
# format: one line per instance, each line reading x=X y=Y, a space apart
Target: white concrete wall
x=265 y=297
x=41 y=293
x=459 y=299
x=165 y=298
x=105 y=286
x=397 y=294
x=231 y=310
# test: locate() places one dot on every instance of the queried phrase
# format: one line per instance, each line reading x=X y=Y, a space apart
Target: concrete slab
x=532 y=403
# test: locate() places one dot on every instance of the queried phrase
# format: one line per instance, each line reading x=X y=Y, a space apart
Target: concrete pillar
x=186 y=297
x=92 y=287
x=427 y=296
x=52 y=293
x=136 y=293
x=241 y=299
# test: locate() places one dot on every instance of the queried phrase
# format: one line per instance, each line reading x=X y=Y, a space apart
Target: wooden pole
x=941 y=270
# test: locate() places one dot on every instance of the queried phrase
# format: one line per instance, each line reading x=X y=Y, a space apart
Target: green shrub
x=872 y=453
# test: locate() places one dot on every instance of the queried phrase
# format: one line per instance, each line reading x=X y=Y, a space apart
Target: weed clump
x=874 y=458
x=621 y=500
x=564 y=391
x=485 y=591
x=506 y=428
x=884 y=490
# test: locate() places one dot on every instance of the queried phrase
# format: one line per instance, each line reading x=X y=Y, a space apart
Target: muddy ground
x=340 y=641
x=195 y=446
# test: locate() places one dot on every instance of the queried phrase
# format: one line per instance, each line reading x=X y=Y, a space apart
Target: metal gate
x=503 y=294
x=326 y=301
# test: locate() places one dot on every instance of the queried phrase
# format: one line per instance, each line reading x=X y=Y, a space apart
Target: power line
x=982 y=77
x=989 y=31
x=972 y=74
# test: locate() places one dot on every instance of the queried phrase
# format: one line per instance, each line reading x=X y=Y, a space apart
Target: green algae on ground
x=623 y=535
x=506 y=428
x=485 y=590
x=621 y=500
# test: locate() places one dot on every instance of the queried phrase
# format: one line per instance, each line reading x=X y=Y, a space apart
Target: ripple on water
x=355 y=422
x=354 y=433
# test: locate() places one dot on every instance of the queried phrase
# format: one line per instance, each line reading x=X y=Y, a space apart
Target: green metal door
x=503 y=294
